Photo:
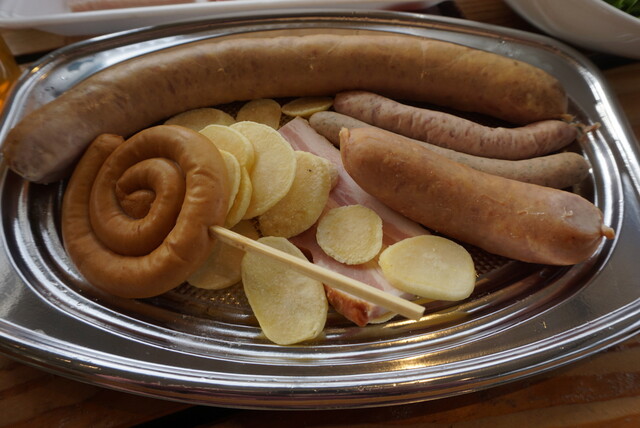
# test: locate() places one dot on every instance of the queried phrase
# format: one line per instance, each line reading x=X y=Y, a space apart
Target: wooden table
x=602 y=390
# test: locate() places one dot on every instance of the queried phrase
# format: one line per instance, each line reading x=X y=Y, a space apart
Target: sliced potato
x=263 y=110
x=226 y=138
x=198 y=118
x=234 y=174
x=351 y=234
x=429 y=266
x=302 y=205
x=274 y=166
x=241 y=201
x=306 y=106
x=290 y=307
x=223 y=267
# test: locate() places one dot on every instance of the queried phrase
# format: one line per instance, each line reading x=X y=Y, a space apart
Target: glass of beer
x=9 y=71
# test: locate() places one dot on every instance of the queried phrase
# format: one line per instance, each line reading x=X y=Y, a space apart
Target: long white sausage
x=130 y=96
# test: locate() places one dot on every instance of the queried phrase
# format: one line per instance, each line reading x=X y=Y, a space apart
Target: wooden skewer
x=349 y=285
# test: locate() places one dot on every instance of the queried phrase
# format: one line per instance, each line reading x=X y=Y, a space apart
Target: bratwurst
x=517 y=220
x=454 y=132
x=135 y=94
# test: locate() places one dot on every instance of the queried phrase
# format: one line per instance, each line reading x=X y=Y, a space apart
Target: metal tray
x=205 y=347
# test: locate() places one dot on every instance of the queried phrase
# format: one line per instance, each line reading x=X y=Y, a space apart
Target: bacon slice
x=395 y=227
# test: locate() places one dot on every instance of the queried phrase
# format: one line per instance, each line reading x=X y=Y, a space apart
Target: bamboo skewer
x=349 y=285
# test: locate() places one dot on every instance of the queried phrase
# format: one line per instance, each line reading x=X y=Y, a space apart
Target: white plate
x=591 y=24
x=54 y=16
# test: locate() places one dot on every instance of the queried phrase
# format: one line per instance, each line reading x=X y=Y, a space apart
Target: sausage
x=133 y=257
x=559 y=170
x=135 y=94
x=454 y=132
x=517 y=220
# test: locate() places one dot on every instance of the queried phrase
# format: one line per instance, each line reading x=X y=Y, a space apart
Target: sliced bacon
x=395 y=227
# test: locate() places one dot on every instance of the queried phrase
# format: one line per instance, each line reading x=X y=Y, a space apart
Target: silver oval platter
x=205 y=347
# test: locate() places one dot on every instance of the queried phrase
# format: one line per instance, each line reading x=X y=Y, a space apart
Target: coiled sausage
x=132 y=251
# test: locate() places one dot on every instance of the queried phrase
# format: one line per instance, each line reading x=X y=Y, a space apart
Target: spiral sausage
x=136 y=213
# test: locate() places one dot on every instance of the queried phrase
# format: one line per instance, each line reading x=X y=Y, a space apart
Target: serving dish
x=54 y=15
x=590 y=24
x=205 y=347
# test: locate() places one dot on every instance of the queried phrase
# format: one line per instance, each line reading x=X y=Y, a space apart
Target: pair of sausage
x=136 y=213
x=558 y=170
x=135 y=94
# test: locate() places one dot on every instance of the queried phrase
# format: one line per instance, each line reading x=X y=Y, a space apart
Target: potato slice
x=429 y=266
x=234 y=175
x=222 y=268
x=263 y=110
x=199 y=118
x=290 y=307
x=306 y=106
x=241 y=201
x=302 y=205
x=226 y=138
x=351 y=234
x=274 y=166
